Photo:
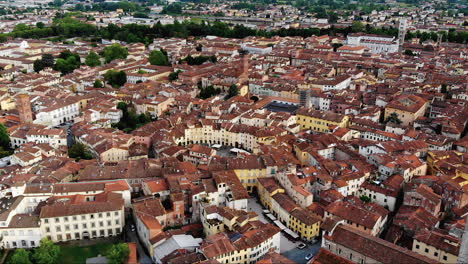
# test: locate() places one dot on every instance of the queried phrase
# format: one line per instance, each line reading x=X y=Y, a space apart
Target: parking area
x=288 y=248
x=285 y=243
x=298 y=255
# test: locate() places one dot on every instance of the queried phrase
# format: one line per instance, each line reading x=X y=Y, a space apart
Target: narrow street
x=288 y=248
x=130 y=236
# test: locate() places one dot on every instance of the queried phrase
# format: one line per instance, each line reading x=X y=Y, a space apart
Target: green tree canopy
x=122 y=106
x=365 y=198
x=118 y=253
x=393 y=117
x=47 y=60
x=98 y=84
x=156 y=57
x=92 y=59
x=357 y=26
x=115 y=78
x=40 y=25
x=198 y=60
x=67 y=62
x=47 y=252
x=174 y=75
x=79 y=151
x=20 y=27
x=115 y=51
x=4 y=137
x=20 y=256
x=174 y=8
x=408 y=52
x=233 y=91
x=38 y=65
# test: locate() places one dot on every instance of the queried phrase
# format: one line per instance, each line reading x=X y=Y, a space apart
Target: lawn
x=75 y=254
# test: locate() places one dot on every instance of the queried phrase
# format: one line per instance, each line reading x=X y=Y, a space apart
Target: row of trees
x=69 y=27
x=198 y=60
x=450 y=36
x=46 y=253
x=49 y=253
x=66 y=62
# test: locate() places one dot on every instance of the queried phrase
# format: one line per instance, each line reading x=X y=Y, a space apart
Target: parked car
x=301 y=246
x=309 y=256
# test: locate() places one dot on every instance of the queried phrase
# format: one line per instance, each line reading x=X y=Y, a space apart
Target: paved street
x=130 y=236
x=287 y=248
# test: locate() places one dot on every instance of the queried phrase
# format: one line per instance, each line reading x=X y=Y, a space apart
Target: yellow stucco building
x=320 y=121
x=304 y=223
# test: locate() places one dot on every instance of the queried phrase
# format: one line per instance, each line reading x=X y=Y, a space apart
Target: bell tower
x=23 y=104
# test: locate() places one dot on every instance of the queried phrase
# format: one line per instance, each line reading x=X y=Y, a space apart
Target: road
x=130 y=236
x=288 y=248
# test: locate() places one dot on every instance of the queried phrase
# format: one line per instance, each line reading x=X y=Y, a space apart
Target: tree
x=98 y=84
x=174 y=8
x=174 y=75
x=254 y=98
x=122 y=106
x=443 y=88
x=115 y=51
x=92 y=60
x=38 y=65
x=48 y=60
x=40 y=25
x=47 y=252
x=156 y=57
x=409 y=52
x=233 y=91
x=67 y=62
x=357 y=26
x=118 y=253
x=115 y=78
x=199 y=59
x=20 y=27
x=365 y=198
x=20 y=256
x=393 y=117
x=79 y=151
x=4 y=137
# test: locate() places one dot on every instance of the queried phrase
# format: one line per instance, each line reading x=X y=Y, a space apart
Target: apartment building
x=245 y=247
x=320 y=121
x=407 y=107
x=437 y=245
x=74 y=217
x=58 y=113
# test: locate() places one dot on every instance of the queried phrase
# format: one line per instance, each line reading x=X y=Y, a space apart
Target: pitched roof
x=375 y=248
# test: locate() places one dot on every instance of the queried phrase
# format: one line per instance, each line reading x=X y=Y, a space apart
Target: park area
x=71 y=252
x=77 y=254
